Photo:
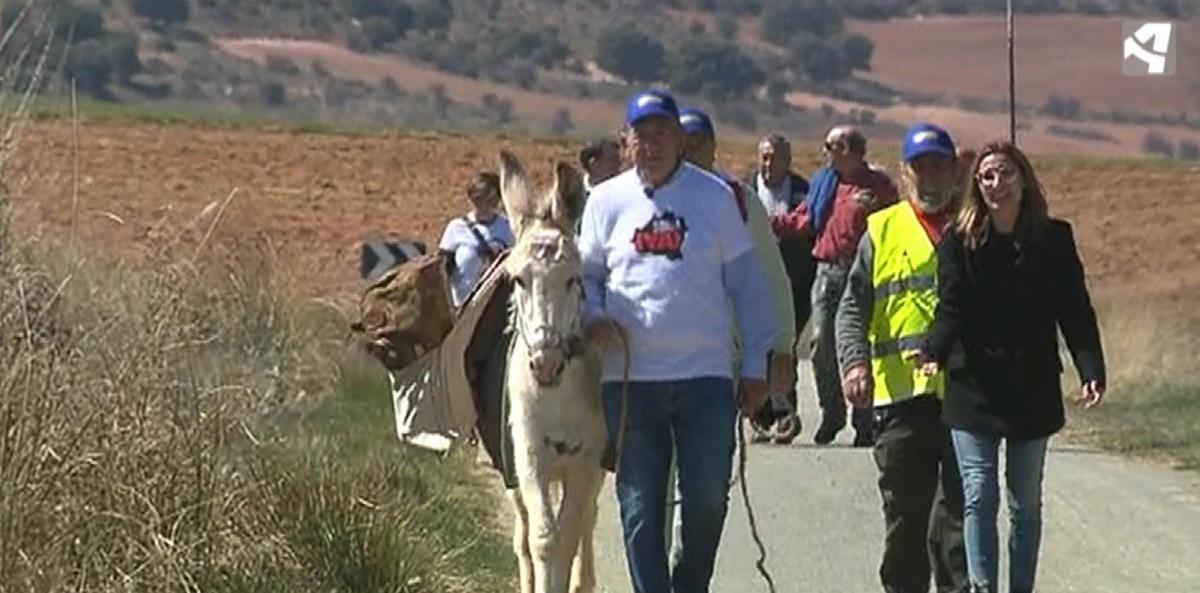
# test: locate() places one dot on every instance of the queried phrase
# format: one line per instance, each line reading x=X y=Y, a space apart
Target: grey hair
x=776 y=140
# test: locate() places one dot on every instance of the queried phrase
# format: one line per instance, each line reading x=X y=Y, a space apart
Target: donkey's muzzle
x=547 y=357
x=547 y=365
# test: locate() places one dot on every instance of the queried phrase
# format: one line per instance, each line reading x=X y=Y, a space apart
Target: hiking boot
x=864 y=438
x=758 y=433
x=787 y=429
x=828 y=430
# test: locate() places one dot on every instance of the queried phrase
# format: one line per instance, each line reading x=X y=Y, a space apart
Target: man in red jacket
x=840 y=197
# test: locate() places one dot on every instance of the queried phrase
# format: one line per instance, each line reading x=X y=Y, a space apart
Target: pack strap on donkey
x=434 y=398
x=459 y=386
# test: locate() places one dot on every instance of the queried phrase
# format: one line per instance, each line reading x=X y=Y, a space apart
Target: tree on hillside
x=378 y=31
x=432 y=15
x=499 y=108
x=780 y=20
x=123 y=55
x=815 y=60
x=79 y=22
x=162 y=11
x=1062 y=107
x=879 y=10
x=1156 y=144
x=562 y=123
x=542 y=47
x=398 y=14
x=727 y=26
x=272 y=93
x=1172 y=8
x=630 y=54
x=715 y=69
x=857 y=50
x=1189 y=151
x=777 y=89
x=88 y=64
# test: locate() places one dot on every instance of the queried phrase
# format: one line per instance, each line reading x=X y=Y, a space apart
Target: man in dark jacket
x=781 y=190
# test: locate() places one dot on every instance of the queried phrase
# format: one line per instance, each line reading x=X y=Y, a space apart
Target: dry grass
x=1153 y=406
x=201 y=427
x=184 y=415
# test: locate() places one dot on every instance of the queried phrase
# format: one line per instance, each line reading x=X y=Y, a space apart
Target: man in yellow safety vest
x=888 y=306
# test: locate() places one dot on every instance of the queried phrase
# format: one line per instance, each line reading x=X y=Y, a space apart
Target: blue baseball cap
x=926 y=138
x=695 y=121
x=650 y=103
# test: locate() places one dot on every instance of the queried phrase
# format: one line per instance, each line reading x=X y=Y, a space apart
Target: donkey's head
x=544 y=266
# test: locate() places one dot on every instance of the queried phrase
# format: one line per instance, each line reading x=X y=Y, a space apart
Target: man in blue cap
x=885 y=311
x=665 y=258
x=700 y=149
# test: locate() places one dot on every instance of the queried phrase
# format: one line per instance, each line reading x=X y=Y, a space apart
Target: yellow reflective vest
x=904 y=279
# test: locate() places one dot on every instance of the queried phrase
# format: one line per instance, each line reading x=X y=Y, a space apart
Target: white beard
x=930 y=207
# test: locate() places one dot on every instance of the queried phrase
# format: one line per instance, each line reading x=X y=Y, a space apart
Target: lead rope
x=761 y=564
x=620 y=445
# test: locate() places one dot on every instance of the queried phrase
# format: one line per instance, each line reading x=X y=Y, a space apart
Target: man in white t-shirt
x=471 y=242
x=665 y=254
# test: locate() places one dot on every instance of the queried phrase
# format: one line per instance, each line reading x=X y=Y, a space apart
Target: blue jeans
x=695 y=419
x=978 y=462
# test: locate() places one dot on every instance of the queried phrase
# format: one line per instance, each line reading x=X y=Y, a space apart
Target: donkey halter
x=547 y=249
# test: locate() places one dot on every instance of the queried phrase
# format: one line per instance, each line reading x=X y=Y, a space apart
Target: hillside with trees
x=741 y=57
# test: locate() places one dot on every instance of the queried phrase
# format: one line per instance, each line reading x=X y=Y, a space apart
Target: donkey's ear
x=515 y=192
x=567 y=198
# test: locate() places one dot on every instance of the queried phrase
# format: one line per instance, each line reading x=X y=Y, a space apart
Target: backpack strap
x=483 y=244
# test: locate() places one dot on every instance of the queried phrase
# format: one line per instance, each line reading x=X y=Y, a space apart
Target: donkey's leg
x=543 y=524
x=578 y=487
x=583 y=569
x=521 y=541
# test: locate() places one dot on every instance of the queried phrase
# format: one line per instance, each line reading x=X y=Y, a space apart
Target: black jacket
x=1003 y=303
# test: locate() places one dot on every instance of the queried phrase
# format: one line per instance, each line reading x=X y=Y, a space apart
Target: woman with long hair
x=1009 y=277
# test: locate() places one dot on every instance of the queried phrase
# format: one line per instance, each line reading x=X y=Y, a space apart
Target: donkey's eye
x=572 y=282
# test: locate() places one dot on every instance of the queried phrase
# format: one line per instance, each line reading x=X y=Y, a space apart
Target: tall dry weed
x=187 y=418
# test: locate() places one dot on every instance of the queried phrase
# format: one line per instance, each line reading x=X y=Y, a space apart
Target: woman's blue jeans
x=979 y=463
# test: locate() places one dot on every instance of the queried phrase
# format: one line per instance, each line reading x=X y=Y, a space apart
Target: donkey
x=553 y=381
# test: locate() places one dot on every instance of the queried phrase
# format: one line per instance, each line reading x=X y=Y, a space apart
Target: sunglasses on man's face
x=835 y=146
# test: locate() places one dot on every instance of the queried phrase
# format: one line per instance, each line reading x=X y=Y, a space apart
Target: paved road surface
x=1112 y=525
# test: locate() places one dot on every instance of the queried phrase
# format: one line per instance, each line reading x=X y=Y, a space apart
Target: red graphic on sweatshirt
x=663 y=235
